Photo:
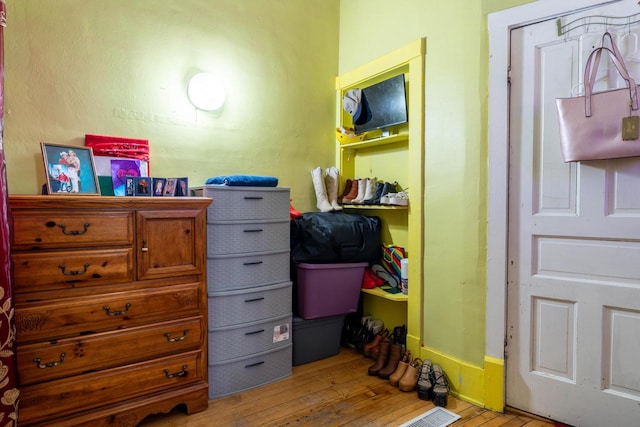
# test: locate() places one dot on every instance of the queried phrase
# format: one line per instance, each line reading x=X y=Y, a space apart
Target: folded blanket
x=244 y=180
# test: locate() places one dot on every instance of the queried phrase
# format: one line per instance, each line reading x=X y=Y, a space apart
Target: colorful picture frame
x=70 y=170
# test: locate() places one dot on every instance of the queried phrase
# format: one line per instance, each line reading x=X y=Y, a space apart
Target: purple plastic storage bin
x=328 y=289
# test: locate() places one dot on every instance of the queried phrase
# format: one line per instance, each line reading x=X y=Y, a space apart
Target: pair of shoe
x=369 y=329
x=392 y=350
x=326 y=188
x=433 y=383
x=381 y=188
x=372 y=348
x=395 y=199
x=406 y=375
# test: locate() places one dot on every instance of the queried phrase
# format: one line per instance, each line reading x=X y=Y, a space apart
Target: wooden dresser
x=110 y=307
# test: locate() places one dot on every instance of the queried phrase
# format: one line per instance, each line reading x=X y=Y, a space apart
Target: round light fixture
x=206 y=92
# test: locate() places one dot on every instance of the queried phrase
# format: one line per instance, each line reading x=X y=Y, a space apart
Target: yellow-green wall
x=455 y=199
x=121 y=67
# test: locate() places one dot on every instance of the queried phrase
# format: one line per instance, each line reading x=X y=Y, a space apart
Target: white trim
x=500 y=25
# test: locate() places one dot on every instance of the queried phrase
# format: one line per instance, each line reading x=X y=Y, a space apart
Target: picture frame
x=170 y=187
x=142 y=186
x=129 y=186
x=182 y=187
x=70 y=170
x=158 y=186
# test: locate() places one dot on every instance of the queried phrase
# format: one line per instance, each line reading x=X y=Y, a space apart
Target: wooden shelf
x=375 y=142
x=386 y=295
x=383 y=207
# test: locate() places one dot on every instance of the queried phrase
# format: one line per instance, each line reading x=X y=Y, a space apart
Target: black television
x=384 y=104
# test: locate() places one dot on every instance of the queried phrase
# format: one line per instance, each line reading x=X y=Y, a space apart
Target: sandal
x=425 y=386
x=440 y=383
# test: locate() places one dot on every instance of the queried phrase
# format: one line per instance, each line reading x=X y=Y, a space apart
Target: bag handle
x=591 y=69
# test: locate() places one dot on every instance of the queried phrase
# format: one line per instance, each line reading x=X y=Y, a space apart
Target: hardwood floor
x=331 y=392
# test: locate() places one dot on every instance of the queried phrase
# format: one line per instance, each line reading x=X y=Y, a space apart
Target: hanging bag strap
x=591 y=69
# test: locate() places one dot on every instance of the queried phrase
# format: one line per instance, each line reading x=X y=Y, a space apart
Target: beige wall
x=121 y=67
x=455 y=199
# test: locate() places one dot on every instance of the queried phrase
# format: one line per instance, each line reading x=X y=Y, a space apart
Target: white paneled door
x=573 y=318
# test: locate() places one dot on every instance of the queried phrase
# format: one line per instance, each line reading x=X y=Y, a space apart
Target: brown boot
x=353 y=193
x=410 y=378
x=347 y=189
x=395 y=354
x=394 y=379
x=372 y=348
x=383 y=357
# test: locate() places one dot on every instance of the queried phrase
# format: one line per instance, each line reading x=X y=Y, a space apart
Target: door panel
x=573 y=317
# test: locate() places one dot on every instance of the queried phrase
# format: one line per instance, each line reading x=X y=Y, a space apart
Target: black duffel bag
x=335 y=237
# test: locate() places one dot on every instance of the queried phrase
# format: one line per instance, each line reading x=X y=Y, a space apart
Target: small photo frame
x=70 y=170
x=142 y=186
x=130 y=186
x=170 y=187
x=158 y=186
x=182 y=187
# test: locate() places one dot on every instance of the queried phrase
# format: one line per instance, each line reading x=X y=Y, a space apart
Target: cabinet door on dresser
x=168 y=243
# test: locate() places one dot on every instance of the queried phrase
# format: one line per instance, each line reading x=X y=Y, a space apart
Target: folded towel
x=244 y=180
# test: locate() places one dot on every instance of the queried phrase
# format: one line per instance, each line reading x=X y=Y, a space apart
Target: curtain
x=8 y=391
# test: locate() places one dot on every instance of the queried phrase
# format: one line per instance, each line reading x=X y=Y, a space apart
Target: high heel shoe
x=425 y=386
x=440 y=382
x=410 y=378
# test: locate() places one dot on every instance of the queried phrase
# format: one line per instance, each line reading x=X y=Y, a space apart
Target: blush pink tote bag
x=602 y=125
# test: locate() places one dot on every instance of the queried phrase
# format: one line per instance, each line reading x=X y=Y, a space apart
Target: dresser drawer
x=243 y=373
x=248 y=305
x=65 y=229
x=56 y=319
x=41 y=402
x=234 y=341
x=45 y=361
x=235 y=237
x=226 y=272
x=245 y=203
x=40 y=271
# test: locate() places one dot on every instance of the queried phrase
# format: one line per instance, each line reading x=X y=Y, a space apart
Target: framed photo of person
x=182 y=187
x=70 y=170
x=170 y=187
x=158 y=186
x=142 y=186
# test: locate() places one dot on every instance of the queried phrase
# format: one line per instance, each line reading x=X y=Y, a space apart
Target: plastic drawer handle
x=254 y=299
x=254 y=365
x=255 y=230
x=253 y=263
x=255 y=332
x=253 y=198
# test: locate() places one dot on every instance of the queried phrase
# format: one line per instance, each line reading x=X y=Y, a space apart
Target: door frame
x=500 y=25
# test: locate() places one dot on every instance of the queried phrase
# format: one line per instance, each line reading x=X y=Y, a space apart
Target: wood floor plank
x=336 y=391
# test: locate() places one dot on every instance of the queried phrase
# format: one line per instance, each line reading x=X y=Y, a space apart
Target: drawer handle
x=253 y=263
x=253 y=198
x=255 y=230
x=73 y=232
x=73 y=272
x=255 y=332
x=176 y=339
x=107 y=309
x=254 y=365
x=254 y=299
x=182 y=373
x=50 y=364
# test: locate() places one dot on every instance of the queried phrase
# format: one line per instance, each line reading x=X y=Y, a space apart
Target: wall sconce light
x=206 y=92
